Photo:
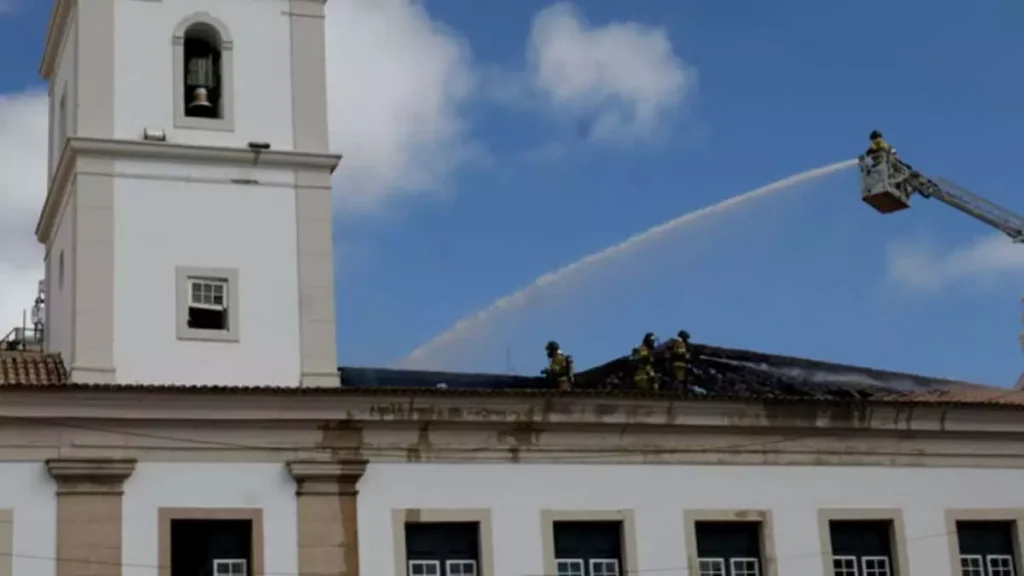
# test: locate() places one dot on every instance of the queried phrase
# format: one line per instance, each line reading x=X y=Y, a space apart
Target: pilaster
x=328 y=514
x=89 y=493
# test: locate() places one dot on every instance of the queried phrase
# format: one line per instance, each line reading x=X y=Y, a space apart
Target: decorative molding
x=226 y=42
x=79 y=150
x=188 y=433
x=55 y=31
x=524 y=411
x=327 y=478
x=90 y=475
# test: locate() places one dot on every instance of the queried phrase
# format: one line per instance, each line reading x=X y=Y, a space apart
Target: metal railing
x=22 y=338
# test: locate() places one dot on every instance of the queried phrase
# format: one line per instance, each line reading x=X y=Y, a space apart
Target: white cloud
x=623 y=78
x=23 y=142
x=397 y=80
x=919 y=265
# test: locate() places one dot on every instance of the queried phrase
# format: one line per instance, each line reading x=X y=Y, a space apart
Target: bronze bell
x=200 y=105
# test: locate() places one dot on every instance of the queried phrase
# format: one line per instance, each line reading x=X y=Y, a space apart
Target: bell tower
x=187 y=221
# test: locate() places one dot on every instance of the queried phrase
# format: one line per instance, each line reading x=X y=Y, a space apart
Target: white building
x=187 y=417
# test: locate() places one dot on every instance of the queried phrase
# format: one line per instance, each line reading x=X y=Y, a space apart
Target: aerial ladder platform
x=888 y=184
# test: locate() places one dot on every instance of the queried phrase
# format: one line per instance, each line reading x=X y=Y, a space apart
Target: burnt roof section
x=716 y=373
x=743 y=373
x=356 y=377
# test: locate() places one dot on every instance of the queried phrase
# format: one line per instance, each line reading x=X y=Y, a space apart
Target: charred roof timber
x=715 y=372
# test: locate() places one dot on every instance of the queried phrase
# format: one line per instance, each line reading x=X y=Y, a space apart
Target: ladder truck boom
x=889 y=183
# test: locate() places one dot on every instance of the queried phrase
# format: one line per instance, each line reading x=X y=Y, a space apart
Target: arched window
x=203 y=74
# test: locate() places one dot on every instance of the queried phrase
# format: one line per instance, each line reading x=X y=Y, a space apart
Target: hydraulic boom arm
x=952 y=195
x=889 y=184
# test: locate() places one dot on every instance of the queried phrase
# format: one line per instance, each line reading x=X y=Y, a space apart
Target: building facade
x=116 y=480
x=187 y=416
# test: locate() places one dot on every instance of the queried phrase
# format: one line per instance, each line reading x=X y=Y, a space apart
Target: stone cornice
x=536 y=412
x=55 y=32
x=330 y=478
x=78 y=148
x=90 y=475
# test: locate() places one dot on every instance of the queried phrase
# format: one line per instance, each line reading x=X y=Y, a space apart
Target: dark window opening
x=585 y=548
x=987 y=548
x=202 y=72
x=442 y=548
x=207 y=319
x=861 y=547
x=211 y=548
x=728 y=548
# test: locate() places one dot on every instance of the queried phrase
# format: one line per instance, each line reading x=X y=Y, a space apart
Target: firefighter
x=679 y=356
x=560 y=367
x=879 y=148
x=642 y=359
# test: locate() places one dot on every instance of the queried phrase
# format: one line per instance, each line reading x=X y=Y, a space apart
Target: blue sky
x=488 y=143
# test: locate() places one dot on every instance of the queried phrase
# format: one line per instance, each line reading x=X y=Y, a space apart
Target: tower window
x=203 y=74
x=207 y=304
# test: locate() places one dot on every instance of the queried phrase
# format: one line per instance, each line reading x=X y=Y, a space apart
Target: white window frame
x=853 y=565
x=883 y=559
x=745 y=572
x=978 y=569
x=185 y=277
x=577 y=562
x=448 y=567
x=1009 y=560
x=214 y=282
x=435 y=563
x=717 y=567
x=593 y=561
x=217 y=562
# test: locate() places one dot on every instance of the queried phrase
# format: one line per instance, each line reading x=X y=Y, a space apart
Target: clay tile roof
x=31 y=368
